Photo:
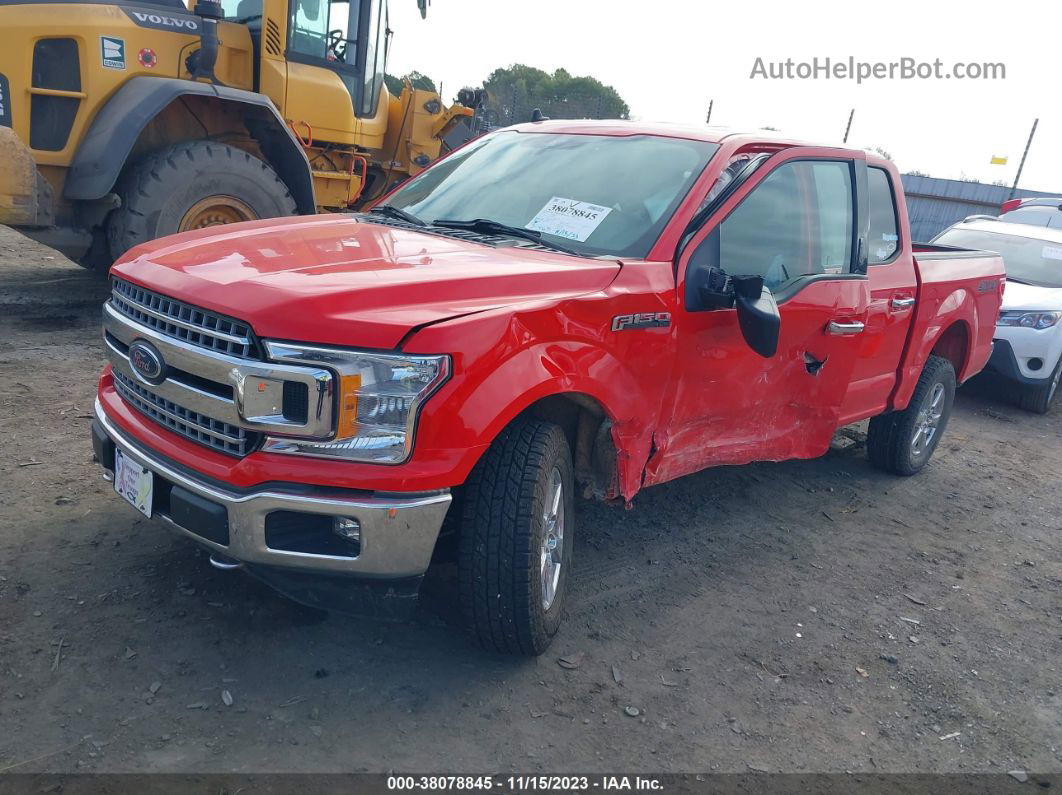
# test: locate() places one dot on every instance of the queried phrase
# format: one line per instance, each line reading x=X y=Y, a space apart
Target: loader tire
x=1038 y=399
x=515 y=543
x=902 y=442
x=193 y=185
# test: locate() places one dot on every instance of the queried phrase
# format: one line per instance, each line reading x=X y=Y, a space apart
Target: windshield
x=599 y=195
x=1037 y=262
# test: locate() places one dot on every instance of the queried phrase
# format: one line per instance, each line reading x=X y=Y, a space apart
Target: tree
x=883 y=152
x=514 y=91
x=418 y=79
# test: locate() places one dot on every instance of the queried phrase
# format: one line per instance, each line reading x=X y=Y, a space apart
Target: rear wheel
x=193 y=185
x=1038 y=399
x=515 y=546
x=902 y=442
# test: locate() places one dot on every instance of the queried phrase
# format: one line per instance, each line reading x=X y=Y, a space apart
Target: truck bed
x=958 y=290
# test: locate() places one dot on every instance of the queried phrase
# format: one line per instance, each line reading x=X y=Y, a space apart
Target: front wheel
x=193 y=185
x=515 y=546
x=1038 y=399
x=902 y=442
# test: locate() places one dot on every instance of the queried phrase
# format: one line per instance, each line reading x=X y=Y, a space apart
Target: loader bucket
x=25 y=196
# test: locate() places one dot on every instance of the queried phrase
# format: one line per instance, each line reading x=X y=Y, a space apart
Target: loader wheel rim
x=215 y=211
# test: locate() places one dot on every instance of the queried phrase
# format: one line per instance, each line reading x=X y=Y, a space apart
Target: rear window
x=1050 y=217
x=1029 y=260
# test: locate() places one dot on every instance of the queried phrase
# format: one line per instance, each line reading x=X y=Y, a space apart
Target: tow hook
x=224 y=562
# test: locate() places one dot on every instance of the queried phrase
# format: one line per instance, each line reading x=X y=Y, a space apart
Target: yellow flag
x=999 y=161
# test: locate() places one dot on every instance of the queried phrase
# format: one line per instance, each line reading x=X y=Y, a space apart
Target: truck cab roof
x=712 y=134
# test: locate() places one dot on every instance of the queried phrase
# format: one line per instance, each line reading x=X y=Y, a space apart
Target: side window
x=797 y=222
x=884 y=228
x=319 y=29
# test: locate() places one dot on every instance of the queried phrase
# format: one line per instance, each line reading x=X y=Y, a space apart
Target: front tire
x=193 y=185
x=515 y=546
x=902 y=442
x=1038 y=399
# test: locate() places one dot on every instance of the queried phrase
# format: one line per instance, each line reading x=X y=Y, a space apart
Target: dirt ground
x=807 y=616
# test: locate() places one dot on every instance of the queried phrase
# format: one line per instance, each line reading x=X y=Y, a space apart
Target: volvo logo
x=147 y=362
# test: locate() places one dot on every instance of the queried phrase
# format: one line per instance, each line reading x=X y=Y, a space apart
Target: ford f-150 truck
x=331 y=403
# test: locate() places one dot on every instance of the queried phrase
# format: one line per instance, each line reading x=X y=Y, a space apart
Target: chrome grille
x=183 y=321
x=197 y=427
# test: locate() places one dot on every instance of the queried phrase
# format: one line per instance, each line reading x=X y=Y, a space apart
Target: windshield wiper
x=395 y=212
x=488 y=226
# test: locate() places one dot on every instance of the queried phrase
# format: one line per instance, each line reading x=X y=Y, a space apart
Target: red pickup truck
x=330 y=403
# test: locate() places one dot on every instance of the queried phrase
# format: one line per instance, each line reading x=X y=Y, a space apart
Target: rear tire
x=1038 y=399
x=192 y=185
x=902 y=442
x=515 y=546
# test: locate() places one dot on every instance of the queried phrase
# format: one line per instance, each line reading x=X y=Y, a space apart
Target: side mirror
x=757 y=313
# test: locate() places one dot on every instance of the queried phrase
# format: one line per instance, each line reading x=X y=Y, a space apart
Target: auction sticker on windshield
x=133 y=482
x=568 y=218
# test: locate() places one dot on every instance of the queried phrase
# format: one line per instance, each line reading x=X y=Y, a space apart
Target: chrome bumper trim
x=397 y=535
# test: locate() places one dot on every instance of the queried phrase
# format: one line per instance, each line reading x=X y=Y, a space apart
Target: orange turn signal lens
x=348 y=406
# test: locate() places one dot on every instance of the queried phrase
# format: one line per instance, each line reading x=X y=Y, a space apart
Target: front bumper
x=397 y=539
x=1006 y=362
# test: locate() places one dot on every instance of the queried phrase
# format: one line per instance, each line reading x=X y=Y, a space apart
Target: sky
x=668 y=58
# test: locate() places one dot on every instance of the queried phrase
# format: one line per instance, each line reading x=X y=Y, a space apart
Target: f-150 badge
x=641 y=320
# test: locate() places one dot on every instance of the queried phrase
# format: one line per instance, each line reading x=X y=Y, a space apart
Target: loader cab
x=321 y=61
x=347 y=37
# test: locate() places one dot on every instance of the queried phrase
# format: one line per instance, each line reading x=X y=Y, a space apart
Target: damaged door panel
x=796 y=227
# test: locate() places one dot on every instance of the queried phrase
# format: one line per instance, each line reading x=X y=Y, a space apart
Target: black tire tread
x=888 y=434
x=496 y=562
x=1038 y=399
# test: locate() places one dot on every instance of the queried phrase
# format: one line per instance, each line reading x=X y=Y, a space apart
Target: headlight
x=1036 y=320
x=379 y=397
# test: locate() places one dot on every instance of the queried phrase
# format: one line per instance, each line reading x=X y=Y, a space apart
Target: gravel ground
x=808 y=616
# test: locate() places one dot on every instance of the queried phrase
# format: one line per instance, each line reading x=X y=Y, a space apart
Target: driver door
x=332 y=77
x=797 y=223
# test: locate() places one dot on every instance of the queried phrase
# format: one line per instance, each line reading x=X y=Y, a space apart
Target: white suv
x=1028 y=338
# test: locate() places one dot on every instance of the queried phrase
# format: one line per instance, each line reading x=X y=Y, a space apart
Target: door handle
x=903 y=303
x=853 y=327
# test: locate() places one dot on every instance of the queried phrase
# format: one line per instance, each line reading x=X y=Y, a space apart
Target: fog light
x=345 y=527
x=1035 y=363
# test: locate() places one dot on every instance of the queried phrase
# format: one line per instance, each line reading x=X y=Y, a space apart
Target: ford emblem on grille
x=147 y=362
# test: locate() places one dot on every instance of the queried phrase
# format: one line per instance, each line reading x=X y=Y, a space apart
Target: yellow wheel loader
x=125 y=120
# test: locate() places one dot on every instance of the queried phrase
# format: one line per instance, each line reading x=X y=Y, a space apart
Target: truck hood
x=341 y=281
x=1029 y=296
